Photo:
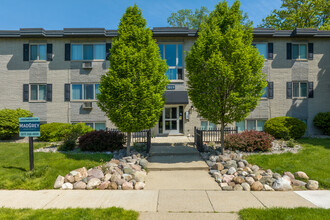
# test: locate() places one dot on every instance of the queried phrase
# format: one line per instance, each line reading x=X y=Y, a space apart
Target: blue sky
x=59 y=14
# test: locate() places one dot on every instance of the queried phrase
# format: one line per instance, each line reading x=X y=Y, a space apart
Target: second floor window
x=88 y=51
x=38 y=52
x=299 y=89
x=262 y=48
x=172 y=53
x=85 y=91
x=38 y=92
x=299 y=51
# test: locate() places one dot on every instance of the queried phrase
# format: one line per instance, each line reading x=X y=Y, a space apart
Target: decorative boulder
x=312 y=185
x=67 y=186
x=246 y=186
x=127 y=186
x=143 y=163
x=282 y=185
x=257 y=186
x=139 y=185
x=59 y=182
x=96 y=173
x=301 y=175
x=79 y=185
x=93 y=183
x=218 y=166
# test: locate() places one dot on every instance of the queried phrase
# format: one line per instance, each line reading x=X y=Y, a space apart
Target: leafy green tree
x=299 y=14
x=225 y=80
x=186 y=18
x=131 y=91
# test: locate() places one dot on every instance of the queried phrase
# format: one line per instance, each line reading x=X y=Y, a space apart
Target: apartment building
x=55 y=74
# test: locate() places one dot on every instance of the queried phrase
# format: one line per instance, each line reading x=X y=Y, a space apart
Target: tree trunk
x=128 y=147
x=222 y=138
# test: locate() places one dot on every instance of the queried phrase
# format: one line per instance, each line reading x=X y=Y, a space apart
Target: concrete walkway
x=178 y=166
x=161 y=204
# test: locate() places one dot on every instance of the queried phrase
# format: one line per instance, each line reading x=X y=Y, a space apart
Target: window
x=262 y=48
x=88 y=51
x=38 y=52
x=85 y=91
x=173 y=54
x=207 y=125
x=250 y=124
x=299 y=89
x=264 y=93
x=38 y=92
x=95 y=125
x=299 y=51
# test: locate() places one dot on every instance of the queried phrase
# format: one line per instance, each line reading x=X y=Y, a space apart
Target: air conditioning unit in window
x=87 y=105
x=87 y=65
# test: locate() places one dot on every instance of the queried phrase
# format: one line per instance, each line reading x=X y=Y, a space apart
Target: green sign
x=29 y=127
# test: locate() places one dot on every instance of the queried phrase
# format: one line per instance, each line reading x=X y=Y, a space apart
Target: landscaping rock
x=67 y=186
x=227 y=178
x=298 y=182
x=104 y=185
x=246 y=186
x=139 y=185
x=107 y=177
x=113 y=185
x=231 y=170
x=143 y=163
x=238 y=187
x=282 y=184
x=69 y=178
x=223 y=158
x=140 y=176
x=289 y=174
x=231 y=163
x=120 y=182
x=277 y=176
x=254 y=168
x=257 y=186
x=223 y=184
x=79 y=185
x=268 y=188
x=128 y=170
x=312 y=185
x=227 y=188
x=93 y=183
x=249 y=180
x=82 y=171
x=218 y=166
x=96 y=173
x=241 y=164
x=267 y=180
x=127 y=186
x=301 y=175
x=238 y=180
x=59 y=182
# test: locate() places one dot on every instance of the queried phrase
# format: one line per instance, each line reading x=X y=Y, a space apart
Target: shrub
x=249 y=141
x=53 y=131
x=102 y=141
x=322 y=121
x=62 y=131
x=9 y=125
x=285 y=127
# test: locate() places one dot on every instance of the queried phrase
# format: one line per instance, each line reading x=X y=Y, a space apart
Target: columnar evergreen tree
x=131 y=91
x=224 y=70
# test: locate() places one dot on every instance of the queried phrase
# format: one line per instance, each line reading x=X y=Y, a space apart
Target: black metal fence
x=207 y=136
x=137 y=137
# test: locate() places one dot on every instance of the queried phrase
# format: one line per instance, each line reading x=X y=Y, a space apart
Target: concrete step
x=167 y=149
x=177 y=162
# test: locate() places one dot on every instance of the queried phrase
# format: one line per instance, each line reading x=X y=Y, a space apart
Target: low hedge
x=285 y=127
x=62 y=131
x=9 y=125
x=102 y=141
x=249 y=141
x=322 y=121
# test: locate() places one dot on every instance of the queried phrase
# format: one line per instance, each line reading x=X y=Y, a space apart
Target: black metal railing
x=137 y=137
x=207 y=136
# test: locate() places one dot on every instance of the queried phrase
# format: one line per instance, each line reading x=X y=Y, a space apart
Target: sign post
x=30 y=127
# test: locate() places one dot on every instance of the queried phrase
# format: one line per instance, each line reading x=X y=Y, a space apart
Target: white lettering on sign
x=29 y=125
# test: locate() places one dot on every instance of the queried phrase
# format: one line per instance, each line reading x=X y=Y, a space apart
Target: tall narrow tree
x=131 y=91
x=225 y=80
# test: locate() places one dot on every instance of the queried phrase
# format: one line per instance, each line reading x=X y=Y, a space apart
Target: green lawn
x=285 y=213
x=14 y=166
x=313 y=159
x=112 y=213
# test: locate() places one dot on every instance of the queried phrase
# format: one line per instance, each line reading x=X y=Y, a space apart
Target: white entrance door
x=171 y=120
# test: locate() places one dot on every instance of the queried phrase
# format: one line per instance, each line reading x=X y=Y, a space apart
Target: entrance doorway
x=171 y=121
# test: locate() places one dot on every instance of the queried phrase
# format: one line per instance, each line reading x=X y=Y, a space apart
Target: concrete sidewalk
x=159 y=203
